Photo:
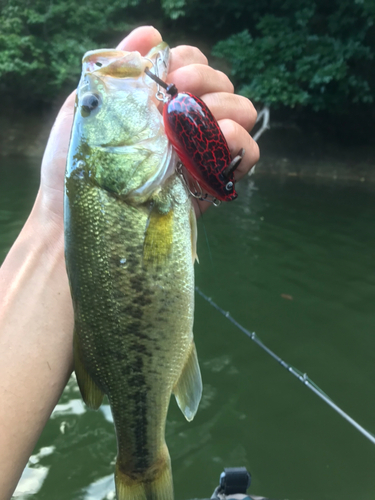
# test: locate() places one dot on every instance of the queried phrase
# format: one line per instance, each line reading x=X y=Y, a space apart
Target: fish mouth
x=115 y=63
x=110 y=66
x=106 y=68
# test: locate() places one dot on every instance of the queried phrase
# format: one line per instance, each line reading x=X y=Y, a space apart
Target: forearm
x=36 y=323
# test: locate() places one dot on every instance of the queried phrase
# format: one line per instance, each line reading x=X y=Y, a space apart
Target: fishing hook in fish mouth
x=171 y=89
x=198 y=192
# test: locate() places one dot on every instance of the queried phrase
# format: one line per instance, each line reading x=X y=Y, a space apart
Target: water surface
x=293 y=262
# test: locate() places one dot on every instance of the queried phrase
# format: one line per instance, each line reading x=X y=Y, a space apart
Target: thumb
x=142 y=39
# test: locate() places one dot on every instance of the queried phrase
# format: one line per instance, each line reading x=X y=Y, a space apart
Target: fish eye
x=229 y=186
x=89 y=102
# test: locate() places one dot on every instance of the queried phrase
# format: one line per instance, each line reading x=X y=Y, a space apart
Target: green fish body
x=130 y=239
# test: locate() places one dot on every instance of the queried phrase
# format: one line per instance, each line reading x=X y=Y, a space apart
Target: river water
x=293 y=262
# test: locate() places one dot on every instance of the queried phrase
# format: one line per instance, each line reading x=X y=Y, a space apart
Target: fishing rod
x=302 y=377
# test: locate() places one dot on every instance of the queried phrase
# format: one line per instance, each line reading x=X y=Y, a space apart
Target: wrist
x=36 y=325
x=42 y=236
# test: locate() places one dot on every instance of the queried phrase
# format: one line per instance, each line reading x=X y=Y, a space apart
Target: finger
x=58 y=141
x=200 y=79
x=54 y=159
x=142 y=39
x=235 y=107
x=184 y=55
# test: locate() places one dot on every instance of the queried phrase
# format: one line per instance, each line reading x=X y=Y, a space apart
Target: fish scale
x=130 y=247
x=127 y=292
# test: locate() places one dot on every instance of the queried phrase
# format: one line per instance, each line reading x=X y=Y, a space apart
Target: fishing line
x=302 y=377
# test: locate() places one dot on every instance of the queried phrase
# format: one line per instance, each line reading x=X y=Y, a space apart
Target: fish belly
x=133 y=325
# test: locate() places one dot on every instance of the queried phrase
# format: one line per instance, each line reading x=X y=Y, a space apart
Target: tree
x=42 y=43
x=308 y=53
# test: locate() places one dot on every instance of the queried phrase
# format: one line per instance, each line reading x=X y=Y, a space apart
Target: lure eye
x=89 y=103
x=229 y=186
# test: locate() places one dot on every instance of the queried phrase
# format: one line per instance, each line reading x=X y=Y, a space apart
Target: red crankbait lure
x=199 y=142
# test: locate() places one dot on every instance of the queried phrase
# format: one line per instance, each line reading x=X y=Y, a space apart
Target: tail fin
x=155 y=484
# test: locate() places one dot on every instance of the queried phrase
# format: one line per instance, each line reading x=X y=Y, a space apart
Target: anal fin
x=91 y=394
x=188 y=389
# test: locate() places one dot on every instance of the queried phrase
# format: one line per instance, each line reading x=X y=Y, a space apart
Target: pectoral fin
x=188 y=389
x=158 y=238
x=91 y=394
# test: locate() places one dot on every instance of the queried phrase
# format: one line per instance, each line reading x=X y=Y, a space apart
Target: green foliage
x=173 y=8
x=42 y=43
x=314 y=56
x=297 y=53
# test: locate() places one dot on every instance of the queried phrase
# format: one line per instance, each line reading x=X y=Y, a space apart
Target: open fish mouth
x=115 y=63
x=118 y=69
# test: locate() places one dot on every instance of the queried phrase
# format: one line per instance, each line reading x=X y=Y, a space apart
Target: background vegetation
x=301 y=56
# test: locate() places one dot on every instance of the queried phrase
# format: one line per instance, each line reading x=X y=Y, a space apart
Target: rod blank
x=302 y=377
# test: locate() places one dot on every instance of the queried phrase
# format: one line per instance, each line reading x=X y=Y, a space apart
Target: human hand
x=190 y=72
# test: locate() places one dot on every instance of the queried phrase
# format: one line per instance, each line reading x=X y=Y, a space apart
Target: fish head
x=118 y=132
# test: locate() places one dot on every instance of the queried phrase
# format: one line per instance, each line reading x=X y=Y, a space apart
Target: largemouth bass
x=130 y=239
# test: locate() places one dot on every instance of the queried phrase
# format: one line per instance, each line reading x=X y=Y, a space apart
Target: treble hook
x=198 y=193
